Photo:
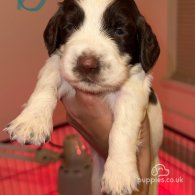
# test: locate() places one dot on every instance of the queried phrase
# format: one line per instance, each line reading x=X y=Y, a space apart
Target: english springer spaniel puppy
x=101 y=47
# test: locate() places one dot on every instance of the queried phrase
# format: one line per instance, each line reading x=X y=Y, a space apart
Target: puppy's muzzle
x=88 y=65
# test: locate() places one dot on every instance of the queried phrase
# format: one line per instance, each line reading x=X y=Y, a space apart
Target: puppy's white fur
x=129 y=103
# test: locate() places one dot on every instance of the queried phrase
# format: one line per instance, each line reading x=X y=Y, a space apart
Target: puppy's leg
x=34 y=124
x=121 y=173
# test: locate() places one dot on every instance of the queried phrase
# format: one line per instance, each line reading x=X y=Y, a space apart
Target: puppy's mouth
x=92 y=74
x=89 y=80
x=94 y=86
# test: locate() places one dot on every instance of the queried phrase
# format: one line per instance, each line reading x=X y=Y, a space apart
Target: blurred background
x=22 y=54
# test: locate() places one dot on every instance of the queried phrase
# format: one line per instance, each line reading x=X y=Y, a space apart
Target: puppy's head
x=99 y=41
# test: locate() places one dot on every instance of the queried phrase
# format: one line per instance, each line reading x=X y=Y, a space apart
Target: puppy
x=99 y=46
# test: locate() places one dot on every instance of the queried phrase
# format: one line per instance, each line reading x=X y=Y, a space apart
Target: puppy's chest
x=109 y=98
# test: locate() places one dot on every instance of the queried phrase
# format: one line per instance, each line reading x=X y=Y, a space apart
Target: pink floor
x=28 y=178
x=181 y=179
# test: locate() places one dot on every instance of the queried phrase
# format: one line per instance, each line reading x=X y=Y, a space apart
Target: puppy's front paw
x=119 y=179
x=31 y=127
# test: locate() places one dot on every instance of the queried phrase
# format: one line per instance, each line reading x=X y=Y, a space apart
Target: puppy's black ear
x=51 y=33
x=149 y=48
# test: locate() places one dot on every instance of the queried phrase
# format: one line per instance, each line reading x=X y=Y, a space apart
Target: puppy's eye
x=69 y=27
x=119 y=31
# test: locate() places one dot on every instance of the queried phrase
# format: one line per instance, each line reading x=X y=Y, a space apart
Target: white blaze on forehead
x=94 y=10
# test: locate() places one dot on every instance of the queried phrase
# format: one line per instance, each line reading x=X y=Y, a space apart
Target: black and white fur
x=99 y=46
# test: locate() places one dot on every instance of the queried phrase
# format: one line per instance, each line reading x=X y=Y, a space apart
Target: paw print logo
x=160 y=170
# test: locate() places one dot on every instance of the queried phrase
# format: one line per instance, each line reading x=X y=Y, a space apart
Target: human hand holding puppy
x=91 y=117
x=93 y=120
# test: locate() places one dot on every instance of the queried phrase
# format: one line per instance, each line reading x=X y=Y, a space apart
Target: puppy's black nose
x=87 y=63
